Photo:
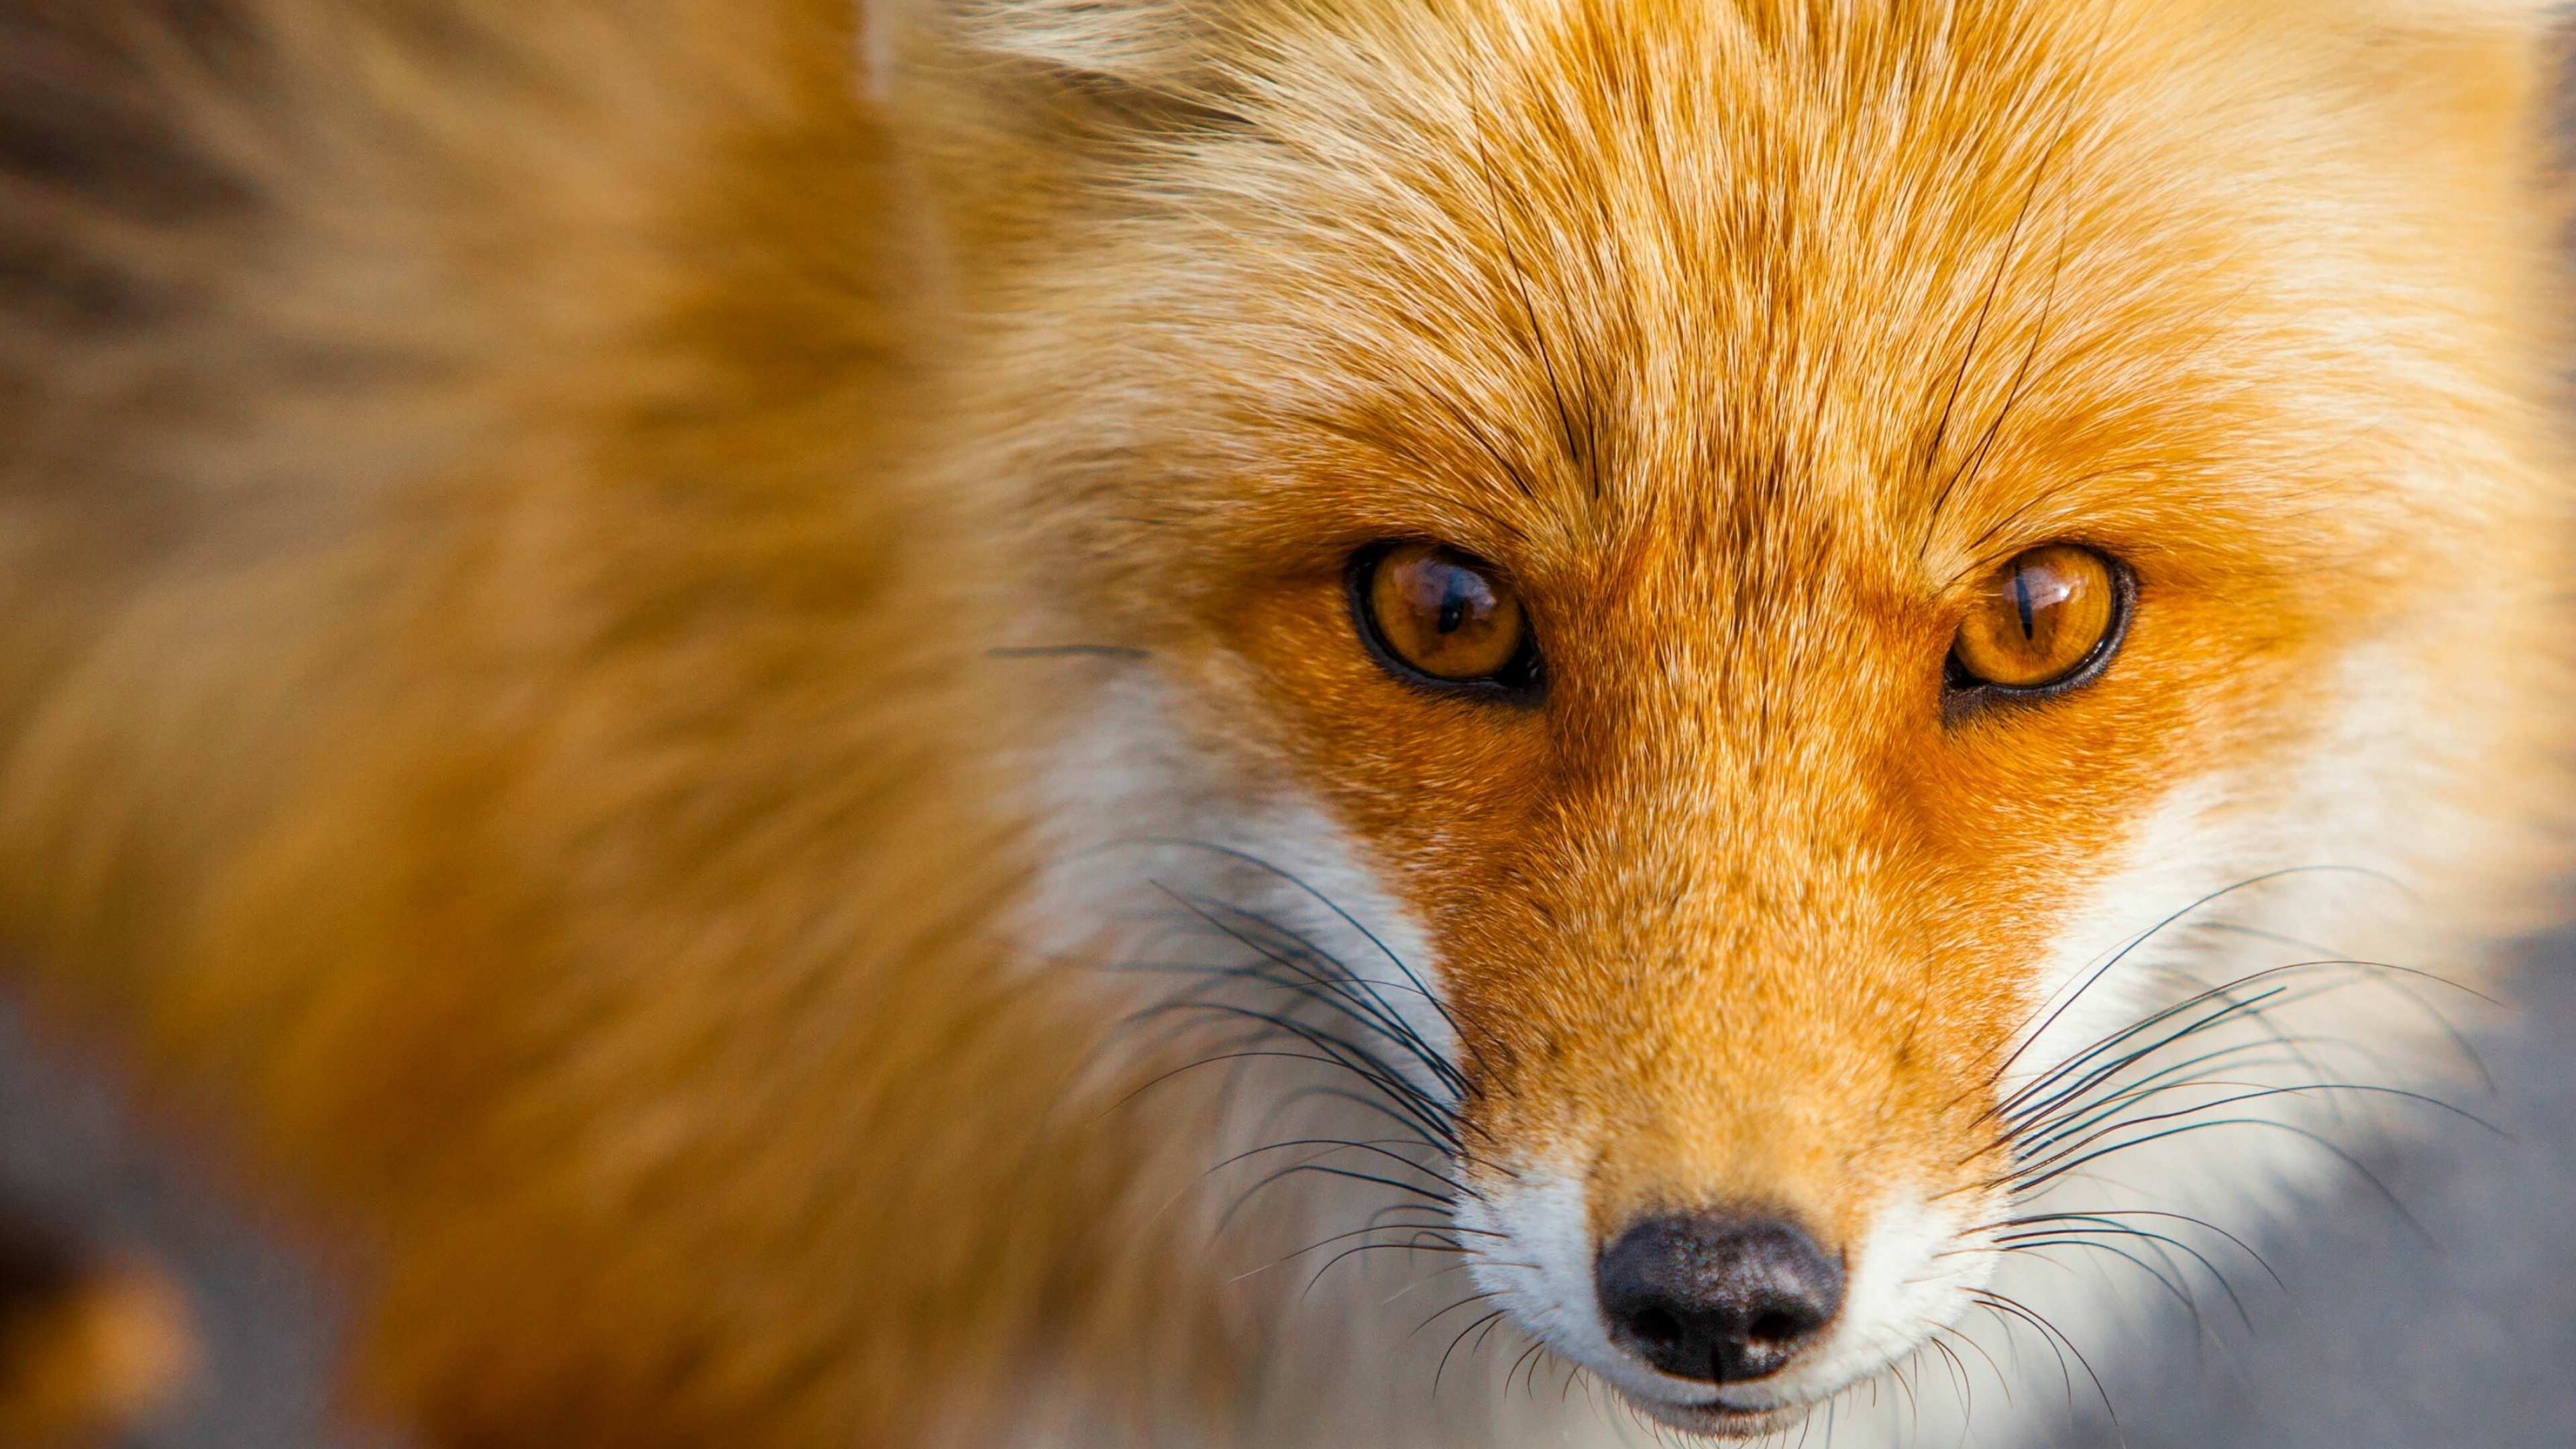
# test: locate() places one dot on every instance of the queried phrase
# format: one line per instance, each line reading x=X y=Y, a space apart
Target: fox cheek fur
x=685 y=620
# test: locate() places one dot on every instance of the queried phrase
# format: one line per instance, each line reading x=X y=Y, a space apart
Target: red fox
x=1291 y=722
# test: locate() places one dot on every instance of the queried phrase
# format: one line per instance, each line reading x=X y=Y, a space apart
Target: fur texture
x=692 y=658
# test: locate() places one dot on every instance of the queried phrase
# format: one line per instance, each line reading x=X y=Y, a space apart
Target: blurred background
x=2378 y=1337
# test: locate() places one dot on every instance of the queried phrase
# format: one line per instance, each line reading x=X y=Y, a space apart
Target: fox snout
x=1742 y=1173
x=1726 y=1267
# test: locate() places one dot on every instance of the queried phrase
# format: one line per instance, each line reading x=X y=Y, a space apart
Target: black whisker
x=2033 y=1034
x=2253 y=1094
x=2319 y=1139
x=2113 y=1213
x=2051 y=1334
x=1486 y=1322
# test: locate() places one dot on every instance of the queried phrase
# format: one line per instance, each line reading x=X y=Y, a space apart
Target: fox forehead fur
x=698 y=660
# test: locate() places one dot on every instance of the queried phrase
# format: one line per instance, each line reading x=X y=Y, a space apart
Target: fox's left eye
x=2050 y=618
x=1438 y=617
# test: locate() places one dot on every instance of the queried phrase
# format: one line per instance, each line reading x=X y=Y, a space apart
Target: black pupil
x=1458 y=590
x=2021 y=598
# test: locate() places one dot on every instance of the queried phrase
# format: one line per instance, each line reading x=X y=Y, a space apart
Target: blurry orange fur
x=523 y=527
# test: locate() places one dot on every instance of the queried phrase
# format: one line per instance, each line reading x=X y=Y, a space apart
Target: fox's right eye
x=2048 y=620
x=1442 y=618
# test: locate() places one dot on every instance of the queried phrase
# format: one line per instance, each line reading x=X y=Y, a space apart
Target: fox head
x=1781 y=539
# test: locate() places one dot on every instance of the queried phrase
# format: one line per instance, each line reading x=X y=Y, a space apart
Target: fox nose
x=1718 y=1297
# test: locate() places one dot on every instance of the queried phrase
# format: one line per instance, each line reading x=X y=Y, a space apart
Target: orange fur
x=505 y=581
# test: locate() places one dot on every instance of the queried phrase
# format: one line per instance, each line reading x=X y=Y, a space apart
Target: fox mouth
x=1718 y=1420
x=1773 y=1406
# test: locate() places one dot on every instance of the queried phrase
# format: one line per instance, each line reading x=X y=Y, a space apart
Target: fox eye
x=2050 y=618
x=1436 y=616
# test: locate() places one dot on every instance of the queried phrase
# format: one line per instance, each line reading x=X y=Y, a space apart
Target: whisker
x=1485 y=1322
x=2366 y=1175
x=2257 y=1093
x=2057 y=1339
x=2086 y=982
x=1321 y=899
x=2180 y=1292
x=2112 y=1213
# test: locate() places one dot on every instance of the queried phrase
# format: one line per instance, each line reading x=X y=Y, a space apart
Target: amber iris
x=1444 y=614
x=2040 y=619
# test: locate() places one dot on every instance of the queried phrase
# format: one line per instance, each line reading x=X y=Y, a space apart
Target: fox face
x=1787 y=547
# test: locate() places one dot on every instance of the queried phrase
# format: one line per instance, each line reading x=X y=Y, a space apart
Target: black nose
x=1717 y=1297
